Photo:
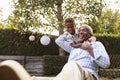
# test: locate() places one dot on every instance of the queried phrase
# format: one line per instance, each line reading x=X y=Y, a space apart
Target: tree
x=1 y=15
x=50 y=14
x=1 y=20
x=116 y=22
x=109 y=22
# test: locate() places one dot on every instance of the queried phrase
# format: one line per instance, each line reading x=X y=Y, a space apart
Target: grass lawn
x=109 y=79
x=105 y=79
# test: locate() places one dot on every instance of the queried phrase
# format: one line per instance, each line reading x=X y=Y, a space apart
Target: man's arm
x=100 y=55
x=62 y=42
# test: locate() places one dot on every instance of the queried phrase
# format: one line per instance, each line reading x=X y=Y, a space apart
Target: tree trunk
x=60 y=20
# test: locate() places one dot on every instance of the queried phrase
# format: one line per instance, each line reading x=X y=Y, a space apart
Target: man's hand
x=87 y=46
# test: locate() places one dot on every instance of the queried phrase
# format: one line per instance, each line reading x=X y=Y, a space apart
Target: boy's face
x=70 y=28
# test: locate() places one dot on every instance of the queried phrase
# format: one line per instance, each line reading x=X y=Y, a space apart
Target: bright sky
x=114 y=4
x=7 y=8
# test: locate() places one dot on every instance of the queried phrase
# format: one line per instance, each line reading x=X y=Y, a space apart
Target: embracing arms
x=62 y=42
x=101 y=57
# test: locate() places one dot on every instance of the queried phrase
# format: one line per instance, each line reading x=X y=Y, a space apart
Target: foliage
x=6 y=25
x=14 y=43
x=49 y=14
x=103 y=78
x=109 y=22
x=1 y=14
x=53 y=63
x=111 y=43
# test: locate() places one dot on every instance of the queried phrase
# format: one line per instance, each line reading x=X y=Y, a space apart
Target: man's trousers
x=72 y=71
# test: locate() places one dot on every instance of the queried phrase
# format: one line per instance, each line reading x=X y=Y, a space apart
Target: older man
x=83 y=62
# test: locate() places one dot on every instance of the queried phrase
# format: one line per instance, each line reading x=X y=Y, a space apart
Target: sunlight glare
x=6 y=8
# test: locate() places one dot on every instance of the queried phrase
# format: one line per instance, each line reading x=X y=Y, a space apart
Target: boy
x=71 y=35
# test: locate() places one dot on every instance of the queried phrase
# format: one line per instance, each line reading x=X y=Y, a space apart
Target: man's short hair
x=89 y=29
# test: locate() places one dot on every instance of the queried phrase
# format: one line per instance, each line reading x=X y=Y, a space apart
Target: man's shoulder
x=97 y=43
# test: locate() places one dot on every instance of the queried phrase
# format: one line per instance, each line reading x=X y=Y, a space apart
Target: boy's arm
x=63 y=43
x=76 y=45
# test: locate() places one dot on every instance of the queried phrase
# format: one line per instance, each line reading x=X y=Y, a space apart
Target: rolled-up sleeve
x=101 y=57
x=63 y=43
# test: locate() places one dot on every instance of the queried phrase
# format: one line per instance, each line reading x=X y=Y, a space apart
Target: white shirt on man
x=83 y=58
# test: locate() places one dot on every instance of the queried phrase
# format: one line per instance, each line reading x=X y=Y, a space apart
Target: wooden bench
x=33 y=64
x=20 y=59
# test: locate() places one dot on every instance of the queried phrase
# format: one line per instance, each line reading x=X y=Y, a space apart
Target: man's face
x=70 y=28
x=83 y=34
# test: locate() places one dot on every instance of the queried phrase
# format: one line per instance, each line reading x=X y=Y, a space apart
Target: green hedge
x=111 y=43
x=14 y=43
x=53 y=64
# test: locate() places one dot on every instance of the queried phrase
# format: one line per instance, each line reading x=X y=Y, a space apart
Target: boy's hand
x=92 y=39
